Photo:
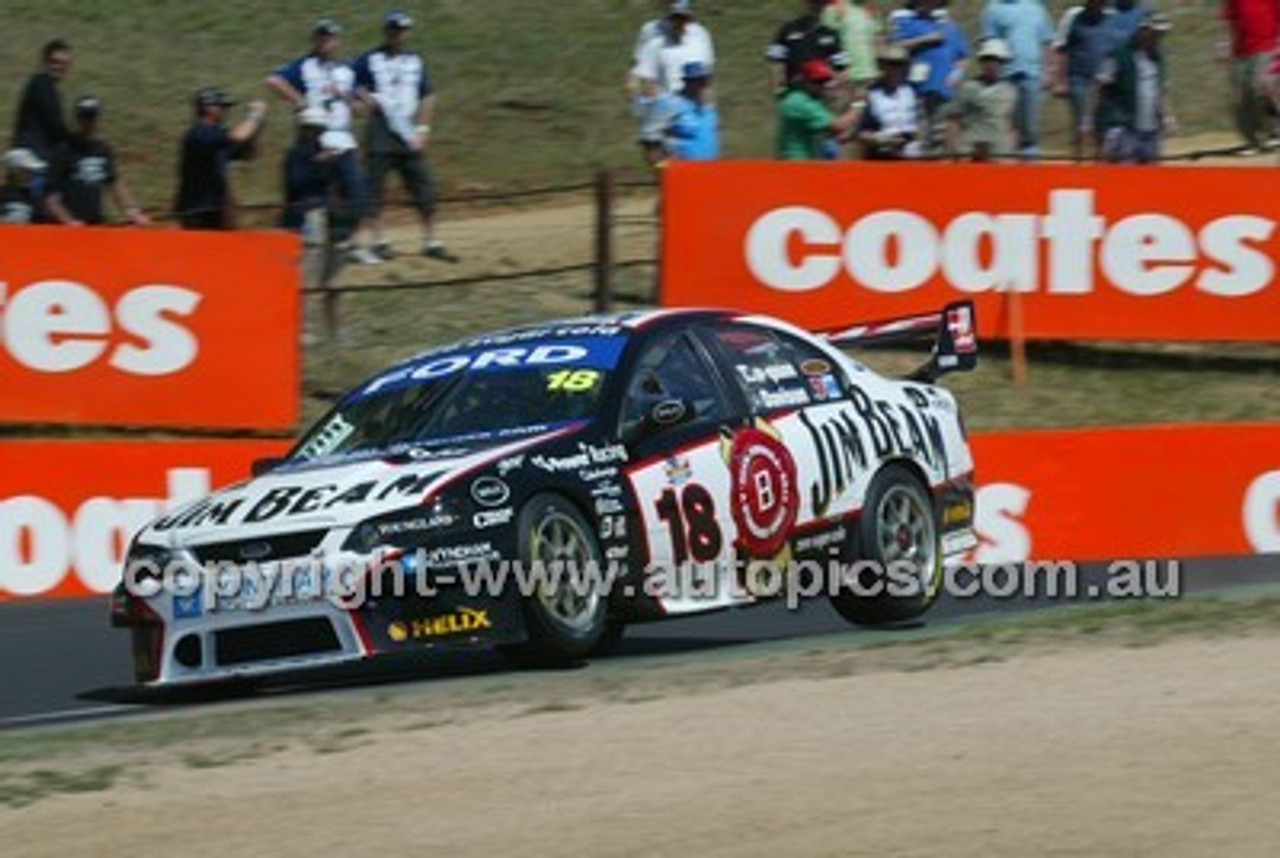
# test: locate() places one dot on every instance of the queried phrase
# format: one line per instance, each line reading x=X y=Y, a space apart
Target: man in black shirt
x=804 y=38
x=39 y=125
x=82 y=168
x=204 y=197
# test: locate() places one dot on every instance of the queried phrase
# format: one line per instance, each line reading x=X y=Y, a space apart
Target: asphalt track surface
x=62 y=661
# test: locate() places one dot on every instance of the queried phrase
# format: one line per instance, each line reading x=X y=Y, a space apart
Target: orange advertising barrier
x=69 y=508
x=1143 y=492
x=1096 y=252
x=148 y=328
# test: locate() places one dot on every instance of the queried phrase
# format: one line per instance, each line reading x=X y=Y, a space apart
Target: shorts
x=412 y=167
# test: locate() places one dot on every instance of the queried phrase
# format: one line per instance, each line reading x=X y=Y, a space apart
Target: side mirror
x=666 y=413
x=266 y=465
x=660 y=415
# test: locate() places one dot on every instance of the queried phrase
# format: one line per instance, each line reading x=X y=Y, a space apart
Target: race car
x=540 y=488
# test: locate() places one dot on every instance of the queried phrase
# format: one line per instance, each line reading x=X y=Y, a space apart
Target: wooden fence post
x=603 y=298
x=1017 y=337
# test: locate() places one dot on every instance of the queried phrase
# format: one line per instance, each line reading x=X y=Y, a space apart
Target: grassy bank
x=531 y=93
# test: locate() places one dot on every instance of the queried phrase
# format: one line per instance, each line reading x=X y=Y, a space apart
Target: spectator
x=888 y=129
x=937 y=50
x=1086 y=35
x=982 y=114
x=800 y=40
x=82 y=167
x=317 y=81
x=309 y=172
x=1025 y=27
x=694 y=129
x=394 y=80
x=697 y=36
x=860 y=36
x=1125 y=17
x=204 y=196
x=805 y=124
x=19 y=201
x=659 y=72
x=1252 y=29
x=1133 y=112
x=40 y=126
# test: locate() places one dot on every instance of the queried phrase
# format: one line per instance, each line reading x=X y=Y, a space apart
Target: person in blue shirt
x=694 y=130
x=1125 y=17
x=937 y=49
x=1024 y=26
x=1086 y=35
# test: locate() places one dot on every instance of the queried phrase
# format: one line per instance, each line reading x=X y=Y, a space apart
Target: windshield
x=472 y=394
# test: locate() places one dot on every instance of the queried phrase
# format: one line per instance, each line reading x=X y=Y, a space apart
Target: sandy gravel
x=1166 y=750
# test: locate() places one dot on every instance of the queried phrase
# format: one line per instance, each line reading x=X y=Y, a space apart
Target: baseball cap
x=681 y=7
x=326 y=27
x=23 y=159
x=994 y=49
x=695 y=69
x=1157 y=21
x=892 y=54
x=88 y=105
x=211 y=96
x=816 y=70
x=313 y=117
x=398 y=20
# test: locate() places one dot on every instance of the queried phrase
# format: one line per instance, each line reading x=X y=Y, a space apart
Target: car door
x=679 y=474
x=796 y=469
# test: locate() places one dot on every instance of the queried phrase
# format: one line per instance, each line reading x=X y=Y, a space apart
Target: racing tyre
x=566 y=619
x=899 y=534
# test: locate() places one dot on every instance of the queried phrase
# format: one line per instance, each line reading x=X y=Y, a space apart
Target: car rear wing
x=954 y=330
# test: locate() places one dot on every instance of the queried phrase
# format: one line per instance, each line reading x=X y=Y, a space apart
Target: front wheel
x=566 y=617
x=898 y=534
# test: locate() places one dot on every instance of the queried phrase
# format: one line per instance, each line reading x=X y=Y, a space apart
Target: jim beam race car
x=659 y=463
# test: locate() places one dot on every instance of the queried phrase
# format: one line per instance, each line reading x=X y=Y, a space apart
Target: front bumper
x=180 y=638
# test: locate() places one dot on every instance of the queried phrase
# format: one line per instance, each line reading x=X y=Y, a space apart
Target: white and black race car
x=540 y=488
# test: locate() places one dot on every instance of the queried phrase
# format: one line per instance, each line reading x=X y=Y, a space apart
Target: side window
x=824 y=378
x=671 y=368
x=763 y=367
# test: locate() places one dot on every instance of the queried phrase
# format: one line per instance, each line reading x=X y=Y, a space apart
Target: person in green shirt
x=804 y=122
x=861 y=35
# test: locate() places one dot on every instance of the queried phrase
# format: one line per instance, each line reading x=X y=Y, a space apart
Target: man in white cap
x=981 y=117
x=19 y=200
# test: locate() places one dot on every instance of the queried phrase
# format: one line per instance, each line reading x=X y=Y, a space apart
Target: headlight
x=409 y=528
x=144 y=569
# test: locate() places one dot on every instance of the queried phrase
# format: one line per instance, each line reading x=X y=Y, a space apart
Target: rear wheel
x=899 y=535
x=566 y=617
